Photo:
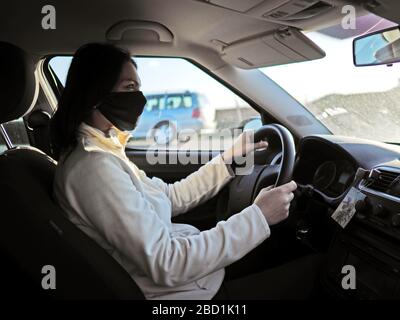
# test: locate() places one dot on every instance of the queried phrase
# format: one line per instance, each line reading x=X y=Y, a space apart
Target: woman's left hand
x=242 y=145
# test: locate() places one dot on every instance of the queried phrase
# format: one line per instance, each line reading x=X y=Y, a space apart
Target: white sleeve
x=198 y=187
x=106 y=196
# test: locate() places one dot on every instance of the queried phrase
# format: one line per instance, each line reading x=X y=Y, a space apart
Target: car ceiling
x=193 y=23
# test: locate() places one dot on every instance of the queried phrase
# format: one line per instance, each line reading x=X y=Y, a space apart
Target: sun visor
x=388 y=9
x=280 y=47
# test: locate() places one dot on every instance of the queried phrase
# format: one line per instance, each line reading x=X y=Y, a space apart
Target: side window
x=152 y=103
x=174 y=101
x=187 y=101
x=187 y=106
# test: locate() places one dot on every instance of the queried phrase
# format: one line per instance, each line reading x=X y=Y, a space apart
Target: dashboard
x=330 y=166
x=326 y=174
x=326 y=168
x=333 y=177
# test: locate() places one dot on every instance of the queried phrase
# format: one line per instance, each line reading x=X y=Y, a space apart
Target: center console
x=371 y=241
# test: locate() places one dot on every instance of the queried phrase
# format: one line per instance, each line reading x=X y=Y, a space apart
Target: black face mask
x=123 y=109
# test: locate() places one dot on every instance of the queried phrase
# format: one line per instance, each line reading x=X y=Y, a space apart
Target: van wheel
x=164 y=132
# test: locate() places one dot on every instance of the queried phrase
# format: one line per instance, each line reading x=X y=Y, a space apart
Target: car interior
x=229 y=41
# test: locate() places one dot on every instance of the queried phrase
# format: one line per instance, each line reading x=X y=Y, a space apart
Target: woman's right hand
x=275 y=202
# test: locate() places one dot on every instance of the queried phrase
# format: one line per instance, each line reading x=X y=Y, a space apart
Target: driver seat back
x=34 y=232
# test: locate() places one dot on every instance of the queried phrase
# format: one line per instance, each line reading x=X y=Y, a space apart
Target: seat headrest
x=19 y=87
x=38 y=118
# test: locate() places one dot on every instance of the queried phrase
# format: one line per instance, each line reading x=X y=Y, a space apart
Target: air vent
x=381 y=179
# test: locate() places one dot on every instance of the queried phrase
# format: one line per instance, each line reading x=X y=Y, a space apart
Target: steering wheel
x=242 y=190
x=288 y=149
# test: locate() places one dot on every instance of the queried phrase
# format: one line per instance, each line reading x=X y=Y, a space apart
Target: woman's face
x=128 y=79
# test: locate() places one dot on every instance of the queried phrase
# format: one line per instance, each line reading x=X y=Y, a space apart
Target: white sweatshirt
x=129 y=215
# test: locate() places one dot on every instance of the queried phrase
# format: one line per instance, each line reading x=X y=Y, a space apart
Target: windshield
x=354 y=101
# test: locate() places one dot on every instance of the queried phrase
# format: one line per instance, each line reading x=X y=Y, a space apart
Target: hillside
x=367 y=115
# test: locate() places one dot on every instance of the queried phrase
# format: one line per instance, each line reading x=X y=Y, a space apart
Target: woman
x=129 y=214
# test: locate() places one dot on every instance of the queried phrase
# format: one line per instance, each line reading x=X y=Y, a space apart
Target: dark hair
x=94 y=71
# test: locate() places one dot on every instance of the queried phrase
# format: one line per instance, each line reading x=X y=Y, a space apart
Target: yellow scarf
x=114 y=140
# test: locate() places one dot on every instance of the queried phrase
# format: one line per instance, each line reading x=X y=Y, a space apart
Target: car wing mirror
x=252 y=123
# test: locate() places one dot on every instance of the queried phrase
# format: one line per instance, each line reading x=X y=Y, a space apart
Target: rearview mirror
x=382 y=47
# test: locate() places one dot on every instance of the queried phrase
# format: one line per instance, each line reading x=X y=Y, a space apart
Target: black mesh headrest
x=19 y=87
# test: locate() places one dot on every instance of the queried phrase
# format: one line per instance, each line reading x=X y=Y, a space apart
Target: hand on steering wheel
x=275 y=202
x=243 y=145
x=244 y=189
x=288 y=149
